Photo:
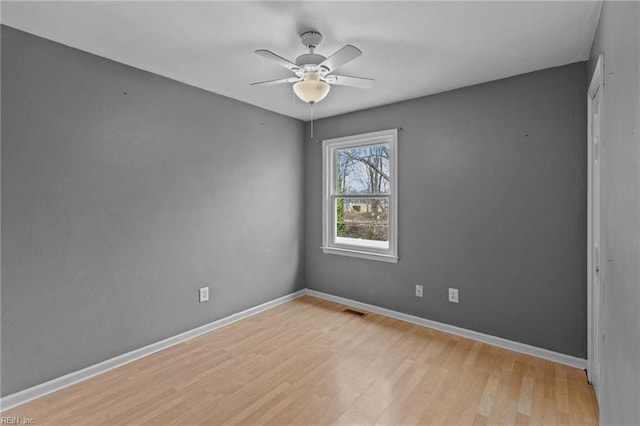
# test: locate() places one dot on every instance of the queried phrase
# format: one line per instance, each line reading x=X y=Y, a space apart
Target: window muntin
x=360 y=196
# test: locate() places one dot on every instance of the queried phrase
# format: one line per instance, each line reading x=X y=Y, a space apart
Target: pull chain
x=312 y=120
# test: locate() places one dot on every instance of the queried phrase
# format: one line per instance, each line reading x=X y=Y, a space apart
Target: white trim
x=359 y=249
x=361 y=254
x=358 y=242
x=523 y=348
x=598 y=75
x=38 y=391
x=593 y=314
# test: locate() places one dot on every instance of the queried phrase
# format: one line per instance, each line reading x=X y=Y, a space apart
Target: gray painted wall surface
x=618 y=36
x=123 y=192
x=492 y=201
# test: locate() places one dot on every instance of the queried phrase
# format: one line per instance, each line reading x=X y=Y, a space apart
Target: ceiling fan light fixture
x=311 y=89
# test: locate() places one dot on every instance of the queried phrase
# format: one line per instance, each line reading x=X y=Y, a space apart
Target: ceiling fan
x=314 y=72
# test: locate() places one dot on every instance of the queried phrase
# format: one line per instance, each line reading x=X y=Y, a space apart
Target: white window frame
x=331 y=244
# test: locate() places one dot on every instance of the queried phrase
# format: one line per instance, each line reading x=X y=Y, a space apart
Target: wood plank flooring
x=309 y=362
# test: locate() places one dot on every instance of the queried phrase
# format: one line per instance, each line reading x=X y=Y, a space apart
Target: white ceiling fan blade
x=279 y=60
x=341 y=57
x=278 y=81
x=344 y=80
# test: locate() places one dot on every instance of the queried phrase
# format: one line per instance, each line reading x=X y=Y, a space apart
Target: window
x=360 y=196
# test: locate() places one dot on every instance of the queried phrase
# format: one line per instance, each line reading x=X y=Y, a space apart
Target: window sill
x=361 y=254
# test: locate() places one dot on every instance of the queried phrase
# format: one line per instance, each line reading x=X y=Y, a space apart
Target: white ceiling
x=412 y=49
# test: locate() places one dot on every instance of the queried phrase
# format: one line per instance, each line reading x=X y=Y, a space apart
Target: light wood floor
x=308 y=362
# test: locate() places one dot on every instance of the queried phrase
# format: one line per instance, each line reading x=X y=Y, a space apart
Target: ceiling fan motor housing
x=309 y=59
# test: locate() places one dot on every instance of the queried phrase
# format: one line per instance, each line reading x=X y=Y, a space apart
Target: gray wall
x=123 y=192
x=492 y=201
x=618 y=37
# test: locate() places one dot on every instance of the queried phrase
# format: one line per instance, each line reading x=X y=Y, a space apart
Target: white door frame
x=594 y=266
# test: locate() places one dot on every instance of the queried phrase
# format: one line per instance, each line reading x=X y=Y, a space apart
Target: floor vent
x=358 y=313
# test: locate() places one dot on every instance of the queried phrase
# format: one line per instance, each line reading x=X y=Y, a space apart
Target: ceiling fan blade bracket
x=345 y=80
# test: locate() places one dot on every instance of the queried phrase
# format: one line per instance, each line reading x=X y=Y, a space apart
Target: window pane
x=363 y=170
x=362 y=218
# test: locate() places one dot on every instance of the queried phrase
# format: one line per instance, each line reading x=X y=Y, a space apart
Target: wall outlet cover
x=203 y=294
x=418 y=291
x=453 y=295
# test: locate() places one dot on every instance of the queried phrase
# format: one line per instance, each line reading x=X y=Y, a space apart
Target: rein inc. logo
x=5 y=420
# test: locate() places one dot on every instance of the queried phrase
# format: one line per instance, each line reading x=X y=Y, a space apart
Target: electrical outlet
x=418 y=291
x=204 y=294
x=453 y=295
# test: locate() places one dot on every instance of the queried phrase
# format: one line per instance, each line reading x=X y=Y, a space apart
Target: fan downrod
x=309 y=61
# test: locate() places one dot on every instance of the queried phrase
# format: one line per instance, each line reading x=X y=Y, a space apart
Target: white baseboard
x=569 y=360
x=38 y=391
